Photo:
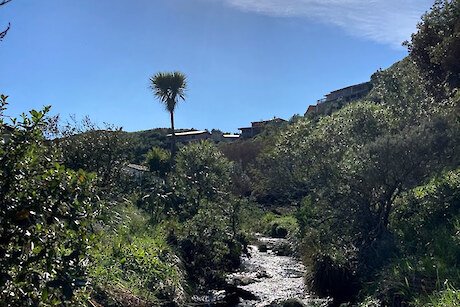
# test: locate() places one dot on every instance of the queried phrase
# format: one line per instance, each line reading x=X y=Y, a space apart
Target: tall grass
x=134 y=259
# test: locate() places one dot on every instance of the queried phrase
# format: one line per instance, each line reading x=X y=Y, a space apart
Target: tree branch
x=3 y=33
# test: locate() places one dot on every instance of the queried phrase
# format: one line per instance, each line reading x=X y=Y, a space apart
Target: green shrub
x=333 y=274
x=208 y=230
x=103 y=150
x=426 y=223
x=370 y=302
x=449 y=297
x=45 y=216
x=158 y=161
x=280 y=226
x=201 y=173
x=208 y=246
x=136 y=259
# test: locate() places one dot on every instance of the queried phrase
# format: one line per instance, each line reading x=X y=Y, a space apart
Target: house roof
x=138 y=167
x=190 y=133
x=311 y=108
x=276 y=119
x=263 y=122
x=231 y=136
x=348 y=87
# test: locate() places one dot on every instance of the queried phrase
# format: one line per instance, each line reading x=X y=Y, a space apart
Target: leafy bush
x=158 y=161
x=435 y=47
x=201 y=173
x=280 y=226
x=208 y=247
x=243 y=152
x=135 y=258
x=449 y=297
x=141 y=142
x=209 y=233
x=427 y=223
x=45 y=214
x=88 y=147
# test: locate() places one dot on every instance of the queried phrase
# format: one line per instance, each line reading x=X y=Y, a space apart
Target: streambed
x=268 y=276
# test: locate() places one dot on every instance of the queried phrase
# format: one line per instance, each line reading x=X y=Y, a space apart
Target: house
x=346 y=94
x=216 y=136
x=191 y=136
x=257 y=127
x=350 y=93
x=230 y=137
x=135 y=170
x=219 y=136
x=311 y=109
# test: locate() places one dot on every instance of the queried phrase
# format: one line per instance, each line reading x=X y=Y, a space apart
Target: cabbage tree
x=168 y=88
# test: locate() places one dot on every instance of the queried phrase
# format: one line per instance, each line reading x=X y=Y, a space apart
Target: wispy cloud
x=384 y=21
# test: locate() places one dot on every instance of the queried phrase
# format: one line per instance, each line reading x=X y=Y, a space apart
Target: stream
x=269 y=275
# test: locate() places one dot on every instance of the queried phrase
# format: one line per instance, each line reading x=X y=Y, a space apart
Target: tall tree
x=435 y=48
x=168 y=88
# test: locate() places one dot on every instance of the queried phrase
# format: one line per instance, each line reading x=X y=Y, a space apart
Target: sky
x=245 y=60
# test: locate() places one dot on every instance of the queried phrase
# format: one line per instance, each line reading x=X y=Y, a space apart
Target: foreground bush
x=208 y=247
x=208 y=235
x=135 y=261
x=45 y=214
x=449 y=297
x=427 y=223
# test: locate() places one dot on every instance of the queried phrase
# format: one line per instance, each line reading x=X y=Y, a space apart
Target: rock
x=283 y=249
x=242 y=281
x=278 y=231
x=291 y=302
x=263 y=248
x=263 y=274
x=233 y=292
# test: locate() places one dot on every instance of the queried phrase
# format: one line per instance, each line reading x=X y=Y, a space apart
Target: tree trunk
x=173 y=139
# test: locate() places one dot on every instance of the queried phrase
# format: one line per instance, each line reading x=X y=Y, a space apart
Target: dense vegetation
x=369 y=191
x=376 y=182
x=46 y=213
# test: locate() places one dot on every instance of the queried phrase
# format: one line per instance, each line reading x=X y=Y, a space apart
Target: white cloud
x=384 y=21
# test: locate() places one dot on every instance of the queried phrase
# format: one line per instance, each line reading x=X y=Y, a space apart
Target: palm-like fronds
x=168 y=88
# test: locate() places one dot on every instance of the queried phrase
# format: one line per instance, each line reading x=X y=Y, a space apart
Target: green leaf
x=45 y=294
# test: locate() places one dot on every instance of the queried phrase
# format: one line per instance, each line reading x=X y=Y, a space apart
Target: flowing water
x=266 y=278
x=271 y=277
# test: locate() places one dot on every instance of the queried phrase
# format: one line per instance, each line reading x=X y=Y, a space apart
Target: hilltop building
x=221 y=137
x=197 y=135
x=257 y=127
x=311 y=108
x=136 y=171
x=191 y=136
x=346 y=94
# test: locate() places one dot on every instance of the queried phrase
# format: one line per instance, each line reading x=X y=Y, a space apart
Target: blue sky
x=246 y=60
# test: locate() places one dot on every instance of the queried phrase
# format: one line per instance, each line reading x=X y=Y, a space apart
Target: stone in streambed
x=284 y=249
x=278 y=231
x=241 y=281
x=236 y=292
x=263 y=274
x=263 y=248
x=292 y=302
